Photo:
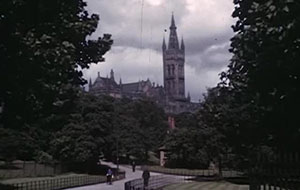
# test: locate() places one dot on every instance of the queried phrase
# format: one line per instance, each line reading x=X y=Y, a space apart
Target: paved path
x=117 y=185
x=207 y=186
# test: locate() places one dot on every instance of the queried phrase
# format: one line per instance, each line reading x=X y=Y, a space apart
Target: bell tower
x=173 y=65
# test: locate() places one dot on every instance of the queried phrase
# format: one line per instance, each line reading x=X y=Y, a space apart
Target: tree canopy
x=102 y=125
x=264 y=69
x=43 y=47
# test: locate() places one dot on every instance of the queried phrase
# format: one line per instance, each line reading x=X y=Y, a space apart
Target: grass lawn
x=181 y=171
x=206 y=186
x=194 y=172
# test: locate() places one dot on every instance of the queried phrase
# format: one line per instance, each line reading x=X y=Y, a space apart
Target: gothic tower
x=173 y=63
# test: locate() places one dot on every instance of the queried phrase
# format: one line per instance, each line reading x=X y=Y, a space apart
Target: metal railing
x=155 y=183
x=62 y=183
x=59 y=183
x=278 y=171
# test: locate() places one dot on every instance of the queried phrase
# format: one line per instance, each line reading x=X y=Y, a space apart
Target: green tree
x=16 y=145
x=43 y=46
x=264 y=69
x=88 y=132
x=224 y=125
x=186 y=120
x=102 y=125
x=187 y=148
x=141 y=127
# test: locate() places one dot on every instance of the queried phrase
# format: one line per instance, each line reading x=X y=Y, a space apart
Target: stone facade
x=171 y=97
x=136 y=90
x=105 y=85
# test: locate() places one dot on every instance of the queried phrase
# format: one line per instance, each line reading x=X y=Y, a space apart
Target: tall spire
x=173 y=26
x=173 y=39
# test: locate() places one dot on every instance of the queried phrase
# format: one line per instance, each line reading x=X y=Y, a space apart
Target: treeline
x=112 y=128
x=97 y=126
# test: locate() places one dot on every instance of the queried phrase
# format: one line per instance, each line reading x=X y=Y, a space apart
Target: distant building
x=105 y=85
x=171 y=96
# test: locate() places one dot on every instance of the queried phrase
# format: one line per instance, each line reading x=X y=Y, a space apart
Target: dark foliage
x=43 y=47
x=264 y=71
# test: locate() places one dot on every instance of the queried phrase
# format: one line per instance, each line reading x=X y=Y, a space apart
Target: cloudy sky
x=138 y=27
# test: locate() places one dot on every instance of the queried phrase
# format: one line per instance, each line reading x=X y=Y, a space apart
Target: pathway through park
x=119 y=185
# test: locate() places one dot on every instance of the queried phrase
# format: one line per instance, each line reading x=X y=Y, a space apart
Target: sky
x=138 y=27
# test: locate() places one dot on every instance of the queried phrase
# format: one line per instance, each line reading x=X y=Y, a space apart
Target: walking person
x=109 y=175
x=146 y=176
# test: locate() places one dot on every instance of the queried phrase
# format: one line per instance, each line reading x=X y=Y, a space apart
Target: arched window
x=169 y=70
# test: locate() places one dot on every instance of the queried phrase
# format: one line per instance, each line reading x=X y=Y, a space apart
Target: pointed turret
x=120 y=82
x=90 y=83
x=98 y=74
x=173 y=40
x=112 y=75
x=189 y=97
x=182 y=44
x=164 y=47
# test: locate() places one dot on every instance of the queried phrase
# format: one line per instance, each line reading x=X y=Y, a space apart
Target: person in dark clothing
x=109 y=176
x=146 y=176
x=133 y=166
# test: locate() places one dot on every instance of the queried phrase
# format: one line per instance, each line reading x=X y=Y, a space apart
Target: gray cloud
x=136 y=53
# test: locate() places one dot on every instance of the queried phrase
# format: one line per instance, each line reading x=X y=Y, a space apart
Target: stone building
x=136 y=90
x=171 y=96
x=105 y=85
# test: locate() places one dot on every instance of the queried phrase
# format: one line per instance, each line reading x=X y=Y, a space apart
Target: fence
x=29 y=169
x=64 y=182
x=155 y=183
x=280 y=171
x=59 y=183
